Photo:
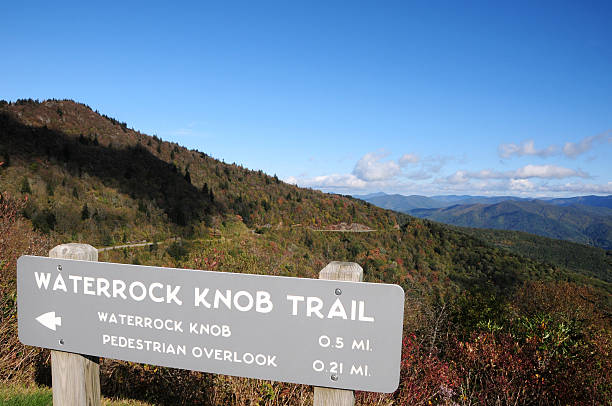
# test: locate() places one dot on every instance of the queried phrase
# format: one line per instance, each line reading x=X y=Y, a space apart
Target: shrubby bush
x=17 y=362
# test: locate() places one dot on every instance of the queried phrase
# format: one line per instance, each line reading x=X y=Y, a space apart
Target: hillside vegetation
x=67 y=156
x=483 y=325
x=583 y=259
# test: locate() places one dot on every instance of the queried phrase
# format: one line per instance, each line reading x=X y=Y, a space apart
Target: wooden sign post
x=75 y=378
x=338 y=271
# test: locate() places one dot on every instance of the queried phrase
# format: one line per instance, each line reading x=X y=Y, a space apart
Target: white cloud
x=527 y=171
x=548 y=172
x=459 y=177
x=521 y=185
x=411 y=174
x=334 y=181
x=526 y=148
x=408 y=159
x=292 y=180
x=490 y=174
x=572 y=150
x=371 y=168
x=458 y=183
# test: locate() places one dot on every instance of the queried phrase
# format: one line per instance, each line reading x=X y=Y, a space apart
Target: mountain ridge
x=581 y=219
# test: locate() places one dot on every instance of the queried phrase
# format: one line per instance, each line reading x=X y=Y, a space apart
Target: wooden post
x=338 y=271
x=75 y=377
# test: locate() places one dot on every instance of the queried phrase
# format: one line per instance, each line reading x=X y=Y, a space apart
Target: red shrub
x=425 y=378
x=498 y=368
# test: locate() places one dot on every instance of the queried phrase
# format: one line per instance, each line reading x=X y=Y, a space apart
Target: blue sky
x=404 y=97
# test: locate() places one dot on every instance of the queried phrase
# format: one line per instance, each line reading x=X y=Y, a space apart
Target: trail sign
x=310 y=331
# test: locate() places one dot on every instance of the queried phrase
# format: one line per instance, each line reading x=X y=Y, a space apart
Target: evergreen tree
x=85 y=212
x=187 y=176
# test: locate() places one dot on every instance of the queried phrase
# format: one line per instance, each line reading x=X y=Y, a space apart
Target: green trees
x=178 y=251
x=44 y=220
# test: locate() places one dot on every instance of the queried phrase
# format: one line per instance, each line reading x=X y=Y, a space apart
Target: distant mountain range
x=582 y=219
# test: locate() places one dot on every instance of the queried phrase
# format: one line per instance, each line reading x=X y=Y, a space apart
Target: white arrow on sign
x=49 y=320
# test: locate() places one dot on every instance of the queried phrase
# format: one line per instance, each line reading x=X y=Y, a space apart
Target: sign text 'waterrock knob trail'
x=317 y=332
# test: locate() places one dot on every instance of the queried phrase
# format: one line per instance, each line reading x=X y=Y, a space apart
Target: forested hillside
x=482 y=323
x=86 y=172
x=583 y=259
